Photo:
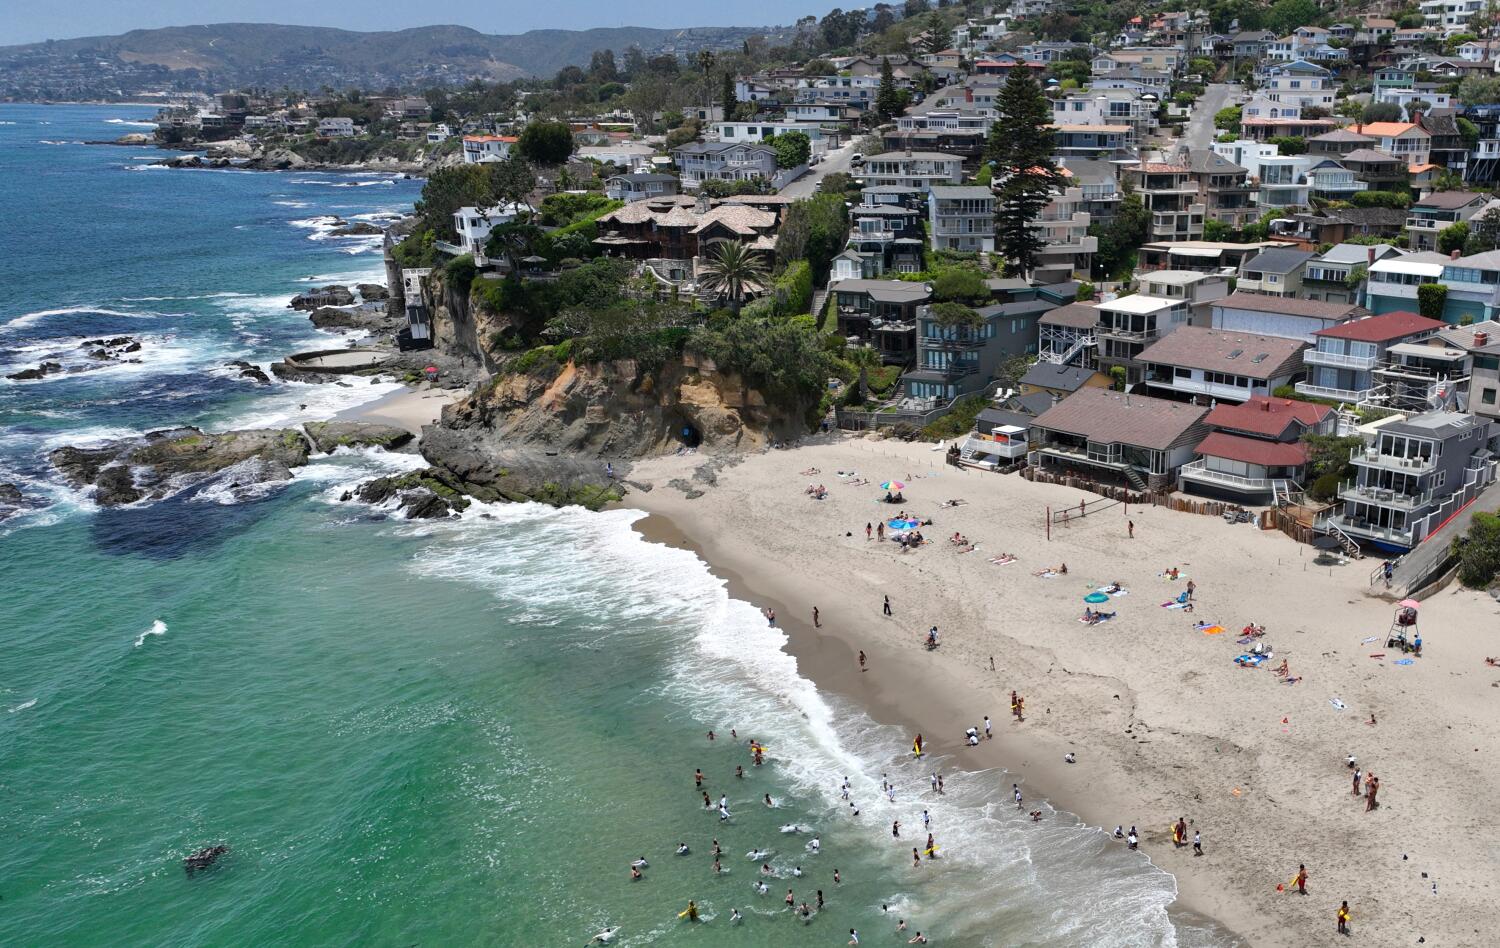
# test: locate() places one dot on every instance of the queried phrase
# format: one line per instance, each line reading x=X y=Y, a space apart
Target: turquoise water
x=457 y=733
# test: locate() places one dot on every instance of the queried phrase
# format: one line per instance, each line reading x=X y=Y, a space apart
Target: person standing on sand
x=880 y=535
x=1197 y=843
x=1130 y=528
x=989 y=734
x=1372 y=787
x=861 y=659
x=1301 y=880
x=1191 y=587
x=1343 y=918
x=886 y=605
x=816 y=623
x=1358 y=775
x=868 y=528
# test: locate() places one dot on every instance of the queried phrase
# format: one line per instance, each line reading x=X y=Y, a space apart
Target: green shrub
x=1479 y=551
x=957 y=422
x=460 y=272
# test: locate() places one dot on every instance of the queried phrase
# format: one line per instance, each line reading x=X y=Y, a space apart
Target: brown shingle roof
x=1382 y=328
x=1219 y=350
x=1110 y=417
x=1076 y=315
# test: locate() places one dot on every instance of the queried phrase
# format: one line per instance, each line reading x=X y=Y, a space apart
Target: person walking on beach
x=1016 y=789
x=880 y=535
x=816 y=623
x=1130 y=529
x=1387 y=569
x=861 y=659
x=1197 y=843
x=1301 y=879
x=1372 y=787
x=868 y=528
x=989 y=735
x=1343 y=918
x=886 y=605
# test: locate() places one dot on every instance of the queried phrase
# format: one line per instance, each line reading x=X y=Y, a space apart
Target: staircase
x=1068 y=355
x=1282 y=491
x=819 y=300
x=1346 y=542
x=1136 y=480
x=968 y=451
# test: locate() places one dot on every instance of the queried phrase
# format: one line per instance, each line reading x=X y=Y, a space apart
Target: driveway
x=805 y=186
x=1200 y=131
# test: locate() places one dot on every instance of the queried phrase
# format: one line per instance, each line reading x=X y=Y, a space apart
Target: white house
x=439 y=133
x=760 y=131
x=479 y=149
x=475 y=223
x=336 y=127
x=1301 y=83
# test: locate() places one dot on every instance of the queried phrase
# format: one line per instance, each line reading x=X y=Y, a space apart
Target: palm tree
x=733 y=271
x=866 y=358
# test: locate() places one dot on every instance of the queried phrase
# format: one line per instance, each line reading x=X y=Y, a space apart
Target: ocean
x=452 y=733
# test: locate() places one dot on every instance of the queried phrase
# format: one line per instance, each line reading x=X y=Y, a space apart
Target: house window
x=1487 y=397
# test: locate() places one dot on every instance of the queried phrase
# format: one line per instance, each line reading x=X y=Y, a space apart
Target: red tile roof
x=1382 y=328
x=1267 y=416
x=1253 y=450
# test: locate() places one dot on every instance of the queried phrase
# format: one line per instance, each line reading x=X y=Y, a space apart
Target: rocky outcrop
x=249 y=370
x=41 y=371
x=329 y=435
x=163 y=463
x=277 y=159
x=373 y=292
x=331 y=317
x=357 y=229
x=12 y=501
x=104 y=350
x=462 y=325
x=331 y=295
x=473 y=462
x=421 y=495
x=195 y=161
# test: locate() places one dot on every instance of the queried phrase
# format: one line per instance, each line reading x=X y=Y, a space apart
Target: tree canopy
x=546 y=143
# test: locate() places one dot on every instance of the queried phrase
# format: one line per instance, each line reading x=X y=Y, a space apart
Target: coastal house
x=1415 y=474
x=885 y=235
x=1068 y=248
x=1254 y=453
x=723 y=161
x=479 y=149
x=1116 y=436
x=961 y=217
x=1299 y=83
x=474 y=224
x=957 y=360
x=882 y=314
x=1206 y=256
x=1215 y=364
x=1429 y=216
x=1107 y=142
x=638 y=187
x=336 y=128
x=1171 y=195
x=916 y=169
x=1342 y=364
x=1335 y=275
x=621 y=154
x=1279 y=315
x=1001 y=437
x=1393 y=282
x=1275 y=272
x=679 y=228
x=1066 y=335
x=1060 y=381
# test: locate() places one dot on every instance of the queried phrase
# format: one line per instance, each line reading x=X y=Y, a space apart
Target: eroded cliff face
x=615 y=409
x=461 y=325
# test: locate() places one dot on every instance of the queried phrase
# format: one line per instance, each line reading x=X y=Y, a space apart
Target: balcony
x=1426 y=224
x=1200 y=472
x=1192 y=386
x=1385 y=496
x=952 y=370
x=1361 y=529
x=1010 y=448
x=1338 y=359
x=1371 y=457
x=1353 y=396
x=1128 y=335
x=1095 y=455
x=964 y=343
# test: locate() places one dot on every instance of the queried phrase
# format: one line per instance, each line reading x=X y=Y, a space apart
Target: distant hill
x=226 y=55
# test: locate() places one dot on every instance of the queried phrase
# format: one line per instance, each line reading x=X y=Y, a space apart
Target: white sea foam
x=730 y=668
x=131 y=122
x=157 y=628
x=31 y=319
x=24 y=705
x=284 y=406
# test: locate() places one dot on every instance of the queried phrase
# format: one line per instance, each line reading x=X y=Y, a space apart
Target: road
x=1200 y=130
x=805 y=186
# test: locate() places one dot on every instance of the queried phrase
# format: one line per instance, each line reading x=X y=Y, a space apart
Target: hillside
x=226 y=55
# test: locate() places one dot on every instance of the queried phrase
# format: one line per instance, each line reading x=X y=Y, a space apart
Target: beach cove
x=1163 y=723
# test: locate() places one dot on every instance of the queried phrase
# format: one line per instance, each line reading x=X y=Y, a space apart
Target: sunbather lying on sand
x=1493 y=661
x=951 y=503
x=1002 y=559
x=810 y=472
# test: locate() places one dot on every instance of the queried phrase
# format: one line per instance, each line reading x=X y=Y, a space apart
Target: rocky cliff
x=462 y=325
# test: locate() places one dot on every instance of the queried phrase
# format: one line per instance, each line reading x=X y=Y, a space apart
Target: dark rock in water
x=10 y=494
x=164 y=463
x=330 y=317
x=328 y=435
x=357 y=229
x=104 y=350
x=332 y=295
x=41 y=371
x=203 y=858
x=373 y=292
x=424 y=495
x=115 y=486
x=251 y=371
x=488 y=470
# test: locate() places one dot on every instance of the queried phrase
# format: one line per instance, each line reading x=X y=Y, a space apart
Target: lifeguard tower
x=1403 y=626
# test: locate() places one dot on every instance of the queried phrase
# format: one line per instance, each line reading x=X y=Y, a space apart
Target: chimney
x=1481 y=338
x=1370 y=256
x=968 y=96
x=1265 y=406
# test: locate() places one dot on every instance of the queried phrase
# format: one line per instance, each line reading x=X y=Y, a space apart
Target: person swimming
x=756 y=855
x=641 y=863
x=768 y=801
x=735 y=916
x=682 y=849
x=816 y=845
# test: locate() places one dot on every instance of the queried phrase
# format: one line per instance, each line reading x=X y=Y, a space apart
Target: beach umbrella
x=1409 y=604
x=1325 y=542
x=893 y=485
x=1096 y=597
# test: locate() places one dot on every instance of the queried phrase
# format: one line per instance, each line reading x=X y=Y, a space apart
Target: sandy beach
x=410 y=408
x=1162 y=721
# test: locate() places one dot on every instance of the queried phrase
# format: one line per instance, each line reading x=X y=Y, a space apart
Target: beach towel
x=1120 y=592
x=1045 y=574
x=1368 y=640
x=1001 y=562
x=1173 y=604
x=1402 y=661
x=1211 y=629
x=1249 y=661
x=1337 y=704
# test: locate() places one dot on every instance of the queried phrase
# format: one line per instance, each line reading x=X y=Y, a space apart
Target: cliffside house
x=724 y=161
x=1118 y=437
x=679 y=228
x=639 y=187
x=474 y=224
x=336 y=128
x=1254 y=453
x=882 y=314
x=479 y=149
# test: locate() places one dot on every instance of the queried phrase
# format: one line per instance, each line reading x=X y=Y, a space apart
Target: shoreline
x=828 y=658
x=411 y=408
x=1164 y=723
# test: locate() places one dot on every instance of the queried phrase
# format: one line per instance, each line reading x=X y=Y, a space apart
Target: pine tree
x=1020 y=145
x=887 y=97
x=726 y=97
x=939 y=37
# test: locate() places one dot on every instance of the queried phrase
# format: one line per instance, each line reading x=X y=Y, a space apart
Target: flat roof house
x=1198 y=363
x=961 y=217
x=918 y=169
x=1279 y=315
x=1254 y=453
x=1114 y=436
x=1414 y=476
x=479 y=149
